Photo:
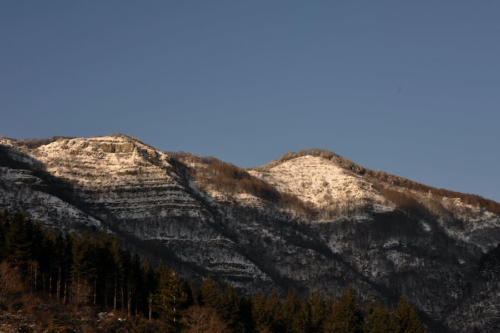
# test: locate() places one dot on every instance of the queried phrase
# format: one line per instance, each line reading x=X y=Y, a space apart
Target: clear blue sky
x=410 y=87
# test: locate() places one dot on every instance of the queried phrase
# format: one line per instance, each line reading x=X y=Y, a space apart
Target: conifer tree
x=116 y=255
x=267 y=312
x=135 y=294
x=210 y=293
x=81 y=269
x=405 y=318
x=317 y=311
x=62 y=263
x=345 y=315
x=150 y=285
x=259 y=313
x=3 y=229
x=230 y=308
x=295 y=314
x=18 y=242
x=378 y=320
x=245 y=304
x=273 y=308
x=171 y=298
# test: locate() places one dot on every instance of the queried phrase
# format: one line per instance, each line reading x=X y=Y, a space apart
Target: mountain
x=311 y=220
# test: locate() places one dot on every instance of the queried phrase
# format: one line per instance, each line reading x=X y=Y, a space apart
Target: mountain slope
x=311 y=220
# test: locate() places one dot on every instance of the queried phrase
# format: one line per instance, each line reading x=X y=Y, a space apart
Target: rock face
x=309 y=221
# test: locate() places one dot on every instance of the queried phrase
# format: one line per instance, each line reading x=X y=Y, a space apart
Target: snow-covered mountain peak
x=97 y=161
x=323 y=184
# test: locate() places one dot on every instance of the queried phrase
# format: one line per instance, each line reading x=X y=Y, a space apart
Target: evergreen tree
x=135 y=294
x=3 y=229
x=230 y=308
x=259 y=313
x=172 y=297
x=405 y=318
x=246 y=314
x=295 y=314
x=345 y=315
x=150 y=285
x=19 y=242
x=267 y=313
x=317 y=311
x=379 y=320
x=116 y=254
x=210 y=293
x=273 y=308
x=62 y=263
x=83 y=268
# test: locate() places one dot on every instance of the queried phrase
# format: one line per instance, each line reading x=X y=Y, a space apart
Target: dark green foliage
x=78 y=269
x=20 y=235
x=95 y=270
x=295 y=313
x=230 y=308
x=405 y=318
x=317 y=311
x=344 y=315
x=172 y=297
x=378 y=320
x=261 y=318
x=267 y=313
x=234 y=310
x=210 y=293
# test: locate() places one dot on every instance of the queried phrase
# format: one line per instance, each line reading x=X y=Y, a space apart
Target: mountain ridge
x=311 y=221
x=380 y=175
x=324 y=153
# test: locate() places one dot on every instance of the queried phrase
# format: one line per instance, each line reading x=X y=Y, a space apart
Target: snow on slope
x=137 y=190
x=118 y=156
x=131 y=179
x=134 y=190
x=323 y=184
x=15 y=188
x=477 y=225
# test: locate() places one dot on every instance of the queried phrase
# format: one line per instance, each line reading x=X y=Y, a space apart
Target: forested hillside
x=310 y=221
x=54 y=282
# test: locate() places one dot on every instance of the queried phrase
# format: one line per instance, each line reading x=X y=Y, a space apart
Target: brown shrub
x=471 y=199
x=402 y=200
x=35 y=143
x=226 y=177
x=230 y=179
x=292 y=202
x=10 y=280
x=204 y=319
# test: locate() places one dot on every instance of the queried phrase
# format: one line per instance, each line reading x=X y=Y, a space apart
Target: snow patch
x=325 y=185
x=425 y=226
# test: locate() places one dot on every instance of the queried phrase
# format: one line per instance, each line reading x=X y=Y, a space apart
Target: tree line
x=95 y=270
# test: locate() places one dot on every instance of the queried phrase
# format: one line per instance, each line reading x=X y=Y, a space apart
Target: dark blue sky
x=412 y=88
